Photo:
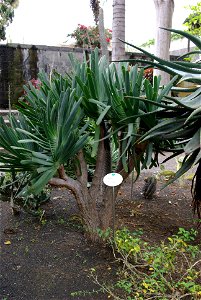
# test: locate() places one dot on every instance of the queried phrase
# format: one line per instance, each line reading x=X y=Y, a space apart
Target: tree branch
x=62 y=173
x=67 y=182
x=81 y=172
x=100 y=165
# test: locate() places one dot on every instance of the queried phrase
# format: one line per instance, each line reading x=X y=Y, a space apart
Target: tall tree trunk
x=164 y=13
x=99 y=19
x=118 y=30
x=101 y=29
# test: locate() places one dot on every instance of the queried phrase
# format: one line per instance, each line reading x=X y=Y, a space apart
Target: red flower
x=82 y=27
x=35 y=83
x=107 y=40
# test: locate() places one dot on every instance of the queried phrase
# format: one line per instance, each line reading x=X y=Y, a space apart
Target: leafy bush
x=88 y=37
x=12 y=184
x=193 y=22
x=170 y=270
x=6 y=15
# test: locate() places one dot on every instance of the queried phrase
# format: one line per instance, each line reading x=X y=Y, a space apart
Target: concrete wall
x=20 y=63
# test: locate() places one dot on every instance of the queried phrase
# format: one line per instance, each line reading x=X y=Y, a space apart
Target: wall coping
x=4 y=112
x=57 y=48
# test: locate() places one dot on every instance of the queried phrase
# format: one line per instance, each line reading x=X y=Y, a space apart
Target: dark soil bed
x=50 y=258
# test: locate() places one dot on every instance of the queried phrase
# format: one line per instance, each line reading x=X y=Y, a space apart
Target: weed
x=26 y=250
x=76 y=222
x=33 y=241
x=20 y=238
x=42 y=219
x=61 y=221
x=86 y=293
x=104 y=235
x=79 y=256
x=43 y=222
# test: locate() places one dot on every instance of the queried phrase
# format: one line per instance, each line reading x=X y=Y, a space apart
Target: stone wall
x=21 y=63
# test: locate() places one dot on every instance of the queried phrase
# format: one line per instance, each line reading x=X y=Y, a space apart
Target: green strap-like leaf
x=194 y=143
x=187 y=164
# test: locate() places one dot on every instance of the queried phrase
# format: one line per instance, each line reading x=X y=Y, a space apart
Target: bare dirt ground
x=50 y=258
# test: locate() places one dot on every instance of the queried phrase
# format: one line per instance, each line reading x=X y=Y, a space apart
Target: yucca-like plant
x=112 y=95
x=182 y=116
x=46 y=135
x=51 y=132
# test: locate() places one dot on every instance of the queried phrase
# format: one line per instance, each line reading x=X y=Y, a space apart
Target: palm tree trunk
x=164 y=13
x=118 y=30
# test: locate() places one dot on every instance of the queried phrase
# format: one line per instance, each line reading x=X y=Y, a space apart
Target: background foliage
x=88 y=37
x=6 y=15
x=192 y=23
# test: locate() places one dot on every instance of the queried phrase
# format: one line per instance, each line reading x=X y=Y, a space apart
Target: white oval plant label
x=112 y=179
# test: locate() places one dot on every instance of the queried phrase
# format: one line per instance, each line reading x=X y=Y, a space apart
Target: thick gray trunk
x=118 y=30
x=164 y=13
x=86 y=204
x=97 y=202
x=96 y=212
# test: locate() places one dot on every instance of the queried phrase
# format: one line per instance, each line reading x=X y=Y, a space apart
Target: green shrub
x=88 y=37
x=10 y=186
x=170 y=270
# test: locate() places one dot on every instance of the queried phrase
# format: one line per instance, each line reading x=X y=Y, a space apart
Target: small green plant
x=86 y=293
x=170 y=270
x=106 y=234
x=61 y=221
x=32 y=203
x=10 y=186
x=129 y=243
x=166 y=174
x=26 y=250
x=43 y=221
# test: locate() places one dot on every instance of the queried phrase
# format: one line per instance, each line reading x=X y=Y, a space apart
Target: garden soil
x=49 y=258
